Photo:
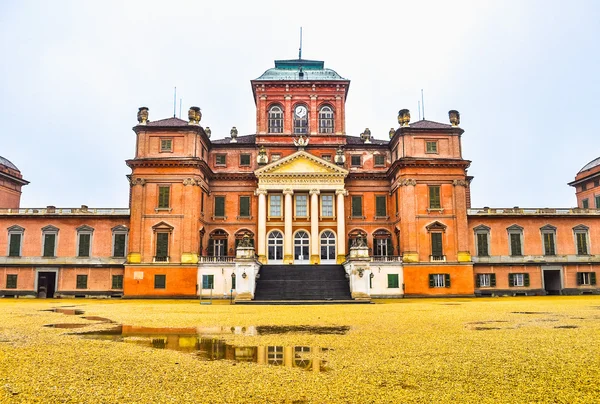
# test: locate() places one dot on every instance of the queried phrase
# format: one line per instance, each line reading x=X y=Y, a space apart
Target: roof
x=590 y=165
x=246 y=139
x=356 y=140
x=424 y=124
x=300 y=69
x=172 y=122
x=7 y=163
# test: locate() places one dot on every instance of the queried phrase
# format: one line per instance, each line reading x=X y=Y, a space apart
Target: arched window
x=327 y=247
x=383 y=243
x=300 y=120
x=217 y=243
x=275 y=246
x=275 y=119
x=301 y=244
x=326 y=119
x=353 y=237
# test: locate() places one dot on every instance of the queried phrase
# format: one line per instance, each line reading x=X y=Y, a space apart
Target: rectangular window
x=549 y=248
x=244 y=159
x=11 y=281
x=117 y=282
x=585 y=204
x=301 y=205
x=275 y=205
x=119 y=246
x=14 y=248
x=486 y=280
x=596 y=183
x=163 y=196
x=208 y=281
x=586 y=278
x=275 y=156
x=220 y=159
x=357 y=206
x=515 y=245
x=82 y=281
x=397 y=202
x=160 y=281
x=597 y=202
x=326 y=157
x=379 y=160
x=434 y=197
x=437 y=250
x=327 y=205
x=583 y=187
x=439 y=280
x=219 y=206
x=244 y=206
x=518 y=280
x=582 y=248
x=482 y=245
x=355 y=161
x=233 y=282
x=84 y=245
x=162 y=247
x=431 y=147
x=166 y=145
x=393 y=281
x=380 y=206
x=49 y=245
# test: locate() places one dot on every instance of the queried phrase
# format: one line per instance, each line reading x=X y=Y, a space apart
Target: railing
x=218 y=259
x=65 y=211
x=161 y=259
x=437 y=258
x=386 y=258
x=532 y=211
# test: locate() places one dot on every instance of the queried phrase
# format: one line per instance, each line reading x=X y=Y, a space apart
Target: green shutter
x=493 y=280
x=436 y=245
x=117 y=282
x=393 y=282
x=244 y=206
x=482 y=245
x=82 y=281
x=162 y=245
x=233 y=282
x=447 y=280
x=208 y=281
x=431 y=282
x=581 y=243
x=163 y=196
x=477 y=281
x=592 y=278
x=515 y=244
x=390 y=247
x=357 y=206
x=14 y=249
x=598 y=202
x=11 y=281
x=549 y=244
x=380 y=206
x=511 y=280
x=160 y=281
x=434 y=197
x=119 y=247
x=49 y=245
x=84 y=245
x=219 y=206
x=580 y=278
x=526 y=279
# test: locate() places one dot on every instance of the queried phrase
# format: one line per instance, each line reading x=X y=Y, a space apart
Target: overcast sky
x=525 y=76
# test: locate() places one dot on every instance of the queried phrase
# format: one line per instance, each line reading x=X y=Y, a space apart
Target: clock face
x=301 y=111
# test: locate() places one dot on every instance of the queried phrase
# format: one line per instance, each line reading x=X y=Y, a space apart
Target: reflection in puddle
x=71 y=312
x=194 y=340
x=66 y=325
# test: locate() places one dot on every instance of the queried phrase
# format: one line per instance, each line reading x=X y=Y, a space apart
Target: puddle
x=99 y=319
x=488 y=322
x=66 y=325
x=566 y=326
x=530 y=312
x=308 y=329
x=486 y=328
x=212 y=348
x=70 y=312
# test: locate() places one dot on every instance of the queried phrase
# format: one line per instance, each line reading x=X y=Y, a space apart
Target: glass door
x=301 y=246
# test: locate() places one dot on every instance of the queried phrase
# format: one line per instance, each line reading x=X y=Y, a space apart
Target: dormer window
x=326 y=119
x=300 y=120
x=275 y=119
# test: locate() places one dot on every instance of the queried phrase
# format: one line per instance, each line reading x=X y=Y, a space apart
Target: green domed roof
x=300 y=69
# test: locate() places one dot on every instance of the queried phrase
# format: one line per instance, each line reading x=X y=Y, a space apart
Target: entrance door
x=327 y=247
x=301 y=245
x=552 y=283
x=46 y=284
x=275 y=247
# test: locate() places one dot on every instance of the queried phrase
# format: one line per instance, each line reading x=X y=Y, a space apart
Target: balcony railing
x=217 y=259
x=66 y=211
x=161 y=259
x=437 y=258
x=386 y=258
x=532 y=211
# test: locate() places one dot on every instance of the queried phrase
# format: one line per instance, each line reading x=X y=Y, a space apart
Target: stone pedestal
x=246 y=270
x=358 y=269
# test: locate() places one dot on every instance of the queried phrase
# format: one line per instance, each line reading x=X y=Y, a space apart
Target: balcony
x=217 y=259
x=386 y=258
x=161 y=259
x=437 y=258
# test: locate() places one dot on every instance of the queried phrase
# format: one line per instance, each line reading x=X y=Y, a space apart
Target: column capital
x=462 y=183
x=260 y=191
x=342 y=192
x=288 y=191
x=314 y=192
x=407 y=181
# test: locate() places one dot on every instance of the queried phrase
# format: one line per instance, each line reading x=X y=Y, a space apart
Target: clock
x=300 y=111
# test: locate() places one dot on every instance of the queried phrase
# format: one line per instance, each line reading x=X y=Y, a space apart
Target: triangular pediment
x=301 y=163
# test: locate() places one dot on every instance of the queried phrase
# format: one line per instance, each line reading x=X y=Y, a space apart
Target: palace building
x=298 y=210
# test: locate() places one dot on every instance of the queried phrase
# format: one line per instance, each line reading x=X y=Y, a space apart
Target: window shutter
x=431 y=283
x=219 y=206
x=592 y=278
x=390 y=247
x=162 y=245
x=579 y=278
x=493 y=280
x=49 y=244
x=84 y=245
x=245 y=206
x=356 y=206
x=436 y=245
x=581 y=243
x=163 y=197
x=526 y=276
x=482 y=244
x=515 y=244
x=15 y=245
x=549 y=243
x=478 y=281
x=511 y=280
x=119 y=247
x=211 y=247
x=434 y=197
x=447 y=280
x=380 y=207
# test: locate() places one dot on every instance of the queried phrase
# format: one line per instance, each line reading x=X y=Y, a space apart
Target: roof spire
x=300 y=49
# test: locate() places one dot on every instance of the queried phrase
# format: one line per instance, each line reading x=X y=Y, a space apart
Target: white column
x=262 y=225
x=288 y=237
x=314 y=227
x=341 y=226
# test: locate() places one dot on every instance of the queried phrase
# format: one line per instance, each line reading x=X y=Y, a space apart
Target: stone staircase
x=302 y=283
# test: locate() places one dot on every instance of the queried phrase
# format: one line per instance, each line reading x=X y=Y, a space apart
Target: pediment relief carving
x=303 y=164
